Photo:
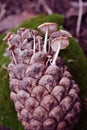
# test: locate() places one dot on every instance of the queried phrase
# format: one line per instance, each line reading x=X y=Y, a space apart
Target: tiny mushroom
x=34 y=34
x=60 y=40
x=24 y=33
x=47 y=28
x=39 y=38
x=11 y=48
x=49 y=60
x=59 y=33
x=8 y=37
x=21 y=30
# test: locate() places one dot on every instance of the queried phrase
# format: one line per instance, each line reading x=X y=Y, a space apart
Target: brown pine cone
x=45 y=96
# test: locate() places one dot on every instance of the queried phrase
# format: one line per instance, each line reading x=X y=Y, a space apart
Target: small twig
x=76 y=5
x=2 y=10
x=45 y=6
x=79 y=17
x=81 y=5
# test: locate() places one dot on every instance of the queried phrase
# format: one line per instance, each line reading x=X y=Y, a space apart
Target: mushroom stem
x=14 y=58
x=56 y=55
x=12 y=53
x=39 y=45
x=9 y=43
x=49 y=46
x=34 y=45
x=45 y=41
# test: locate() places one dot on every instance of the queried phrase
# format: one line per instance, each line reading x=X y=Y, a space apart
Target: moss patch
x=73 y=57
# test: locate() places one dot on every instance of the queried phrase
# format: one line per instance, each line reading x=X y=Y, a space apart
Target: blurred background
x=13 y=12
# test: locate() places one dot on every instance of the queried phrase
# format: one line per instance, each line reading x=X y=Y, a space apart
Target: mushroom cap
x=39 y=37
x=35 y=32
x=48 y=25
x=22 y=29
x=49 y=56
x=7 y=36
x=60 y=33
x=64 y=41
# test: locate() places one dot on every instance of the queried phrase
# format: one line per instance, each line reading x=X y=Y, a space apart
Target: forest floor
x=12 y=13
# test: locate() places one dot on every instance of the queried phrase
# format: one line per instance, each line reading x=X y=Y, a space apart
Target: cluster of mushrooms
x=55 y=40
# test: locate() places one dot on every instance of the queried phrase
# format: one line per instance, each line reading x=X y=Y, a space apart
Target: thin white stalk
x=34 y=45
x=14 y=58
x=45 y=42
x=76 y=4
x=39 y=44
x=56 y=55
x=9 y=43
x=79 y=17
x=49 y=46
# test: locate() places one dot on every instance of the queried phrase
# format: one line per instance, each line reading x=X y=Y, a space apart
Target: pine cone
x=45 y=96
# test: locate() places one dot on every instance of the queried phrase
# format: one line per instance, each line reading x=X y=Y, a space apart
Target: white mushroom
x=21 y=30
x=60 y=42
x=7 y=37
x=11 y=48
x=24 y=33
x=59 y=33
x=47 y=28
x=34 y=34
x=39 y=38
x=49 y=60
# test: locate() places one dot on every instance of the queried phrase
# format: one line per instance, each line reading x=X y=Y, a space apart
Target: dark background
x=19 y=10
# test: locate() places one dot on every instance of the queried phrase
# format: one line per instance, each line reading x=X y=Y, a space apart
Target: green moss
x=37 y=20
x=76 y=61
x=73 y=57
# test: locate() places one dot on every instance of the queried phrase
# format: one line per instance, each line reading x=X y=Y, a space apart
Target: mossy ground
x=73 y=57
